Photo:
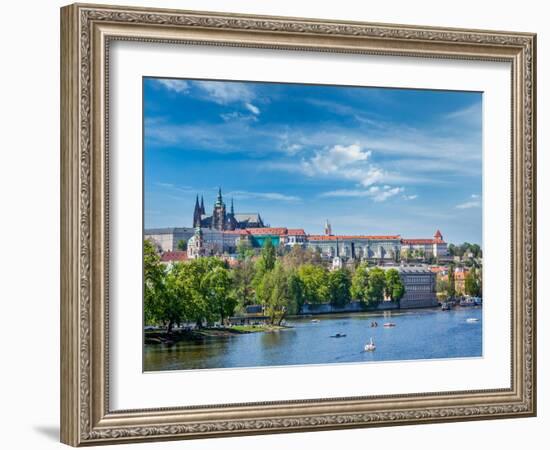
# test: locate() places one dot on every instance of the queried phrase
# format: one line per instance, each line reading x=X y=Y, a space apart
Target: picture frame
x=87 y=31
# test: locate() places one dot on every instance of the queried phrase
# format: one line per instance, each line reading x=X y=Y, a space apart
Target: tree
x=244 y=249
x=376 y=285
x=177 y=299
x=471 y=284
x=153 y=284
x=394 y=288
x=296 y=293
x=452 y=286
x=243 y=282
x=217 y=287
x=298 y=256
x=192 y=286
x=182 y=245
x=359 y=283
x=315 y=282
x=339 y=285
x=274 y=294
x=267 y=256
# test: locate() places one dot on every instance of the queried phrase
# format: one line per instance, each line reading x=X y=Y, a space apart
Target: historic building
x=220 y=233
x=366 y=247
x=425 y=248
x=419 y=285
x=222 y=220
x=166 y=239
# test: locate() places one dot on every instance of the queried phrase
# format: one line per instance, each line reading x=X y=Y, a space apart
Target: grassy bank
x=153 y=337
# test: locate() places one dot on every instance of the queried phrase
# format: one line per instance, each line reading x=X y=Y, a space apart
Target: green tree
x=244 y=249
x=339 y=285
x=315 y=282
x=452 y=285
x=177 y=299
x=442 y=286
x=394 y=289
x=197 y=293
x=296 y=293
x=471 y=284
x=359 y=283
x=182 y=245
x=274 y=294
x=153 y=288
x=218 y=290
x=243 y=282
x=267 y=256
x=376 y=286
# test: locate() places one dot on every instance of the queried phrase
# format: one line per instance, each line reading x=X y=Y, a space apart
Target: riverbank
x=418 y=334
x=155 y=337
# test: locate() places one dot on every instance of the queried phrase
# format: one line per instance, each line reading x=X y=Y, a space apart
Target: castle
x=222 y=220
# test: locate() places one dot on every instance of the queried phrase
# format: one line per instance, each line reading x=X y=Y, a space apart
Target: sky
x=370 y=160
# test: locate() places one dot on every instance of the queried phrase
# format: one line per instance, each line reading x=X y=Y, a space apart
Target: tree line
x=207 y=290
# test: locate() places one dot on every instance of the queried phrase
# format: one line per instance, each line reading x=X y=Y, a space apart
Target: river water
x=422 y=334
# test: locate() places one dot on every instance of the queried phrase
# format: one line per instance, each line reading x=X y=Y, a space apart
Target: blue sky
x=370 y=160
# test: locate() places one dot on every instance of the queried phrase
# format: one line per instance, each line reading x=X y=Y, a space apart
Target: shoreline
x=157 y=337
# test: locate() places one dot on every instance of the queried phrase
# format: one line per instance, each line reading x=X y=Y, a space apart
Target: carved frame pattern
x=87 y=31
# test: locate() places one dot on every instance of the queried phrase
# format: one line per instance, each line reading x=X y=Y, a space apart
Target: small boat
x=338 y=335
x=445 y=306
x=315 y=320
x=469 y=301
x=370 y=347
x=389 y=325
x=373 y=324
x=472 y=319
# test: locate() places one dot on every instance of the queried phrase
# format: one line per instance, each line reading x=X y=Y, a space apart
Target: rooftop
x=322 y=237
x=173 y=256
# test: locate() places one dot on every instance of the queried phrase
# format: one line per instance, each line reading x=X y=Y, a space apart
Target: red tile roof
x=296 y=232
x=417 y=241
x=322 y=237
x=239 y=232
x=173 y=256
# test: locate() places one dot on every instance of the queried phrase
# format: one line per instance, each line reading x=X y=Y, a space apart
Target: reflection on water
x=423 y=334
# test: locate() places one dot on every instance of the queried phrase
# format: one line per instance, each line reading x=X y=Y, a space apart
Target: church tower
x=328 y=228
x=197 y=214
x=203 y=211
x=218 y=215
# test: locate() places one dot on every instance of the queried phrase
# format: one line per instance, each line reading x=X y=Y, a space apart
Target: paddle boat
x=370 y=347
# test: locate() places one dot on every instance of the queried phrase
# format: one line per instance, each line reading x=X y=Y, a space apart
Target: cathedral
x=222 y=220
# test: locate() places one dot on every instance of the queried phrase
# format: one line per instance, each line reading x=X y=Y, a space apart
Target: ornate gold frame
x=86 y=31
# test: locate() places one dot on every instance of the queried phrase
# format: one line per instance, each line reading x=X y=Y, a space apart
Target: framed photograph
x=279 y=224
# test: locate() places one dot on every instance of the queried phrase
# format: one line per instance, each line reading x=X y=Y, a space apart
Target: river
x=420 y=334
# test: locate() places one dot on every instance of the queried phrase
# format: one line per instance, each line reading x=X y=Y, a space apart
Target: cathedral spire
x=232 y=211
x=219 y=200
x=197 y=213
x=203 y=211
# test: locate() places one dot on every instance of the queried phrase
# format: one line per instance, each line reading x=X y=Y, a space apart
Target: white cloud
x=253 y=109
x=377 y=193
x=410 y=197
x=263 y=195
x=345 y=162
x=475 y=202
x=226 y=92
x=179 y=86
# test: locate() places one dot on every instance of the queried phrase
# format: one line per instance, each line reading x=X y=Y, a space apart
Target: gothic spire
x=197 y=213
x=232 y=209
x=203 y=211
